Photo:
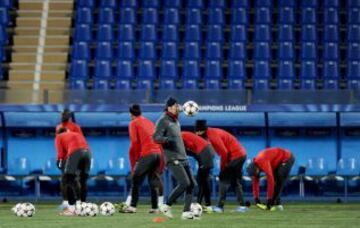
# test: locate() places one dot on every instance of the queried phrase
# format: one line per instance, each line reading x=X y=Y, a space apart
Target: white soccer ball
x=190 y=108
x=107 y=209
x=80 y=209
x=91 y=210
x=196 y=209
x=24 y=210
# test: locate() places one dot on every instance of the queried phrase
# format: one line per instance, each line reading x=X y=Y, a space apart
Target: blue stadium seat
x=331 y=16
x=124 y=69
x=214 y=50
x=331 y=33
x=308 y=51
x=77 y=83
x=236 y=83
x=79 y=69
x=144 y=84
x=212 y=83
x=287 y=3
x=4 y=17
x=167 y=84
x=215 y=16
x=128 y=16
x=2 y=57
x=168 y=69
x=286 y=33
x=123 y=84
x=317 y=166
x=263 y=33
x=354 y=33
x=191 y=69
x=353 y=84
x=286 y=15
x=217 y=4
x=262 y=70
x=146 y=69
x=192 y=50
x=353 y=3
x=83 y=16
x=19 y=167
x=129 y=3
x=286 y=51
x=195 y=4
x=263 y=15
x=169 y=51
x=331 y=51
x=103 y=69
x=213 y=69
x=100 y=83
x=331 y=83
x=348 y=167
x=126 y=33
x=148 y=50
x=261 y=84
x=239 y=16
x=170 y=33
x=104 y=51
x=239 y=3
x=353 y=69
x=354 y=16
x=106 y=16
x=190 y=84
x=80 y=51
x=108 y=4
x=237 y=51
x=262 y=51
x=150 y=3
x=126 y=51
x=148 y=33
x=285 y=84
x=3 y=35
x=173 y=3
x=308 y=15
x=308 y=84
x=82 y=33
x=331 y=3
x=193 y=33
x=236 y=70
x=263 y=3
x=353 y=51
x=105 y=33
x=308 y=70
x=238 y=33
x=215 y=33
x=194 y=16
x=308 y=33
x=85 y=3
x=171 y=16
x=286 y=69
x=309 y=3
x=150 y=16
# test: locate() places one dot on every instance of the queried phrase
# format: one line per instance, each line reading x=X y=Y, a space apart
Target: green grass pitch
x=295 y=215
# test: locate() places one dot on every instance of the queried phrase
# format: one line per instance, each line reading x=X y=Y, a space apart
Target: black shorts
x=206 y=158
x=80 y=160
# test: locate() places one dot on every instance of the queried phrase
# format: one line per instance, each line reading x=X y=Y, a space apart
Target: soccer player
x=232 y=157
x=168 y=134
x=276 y=163
x=204 y=153
x=74 y=157
x=145 y=159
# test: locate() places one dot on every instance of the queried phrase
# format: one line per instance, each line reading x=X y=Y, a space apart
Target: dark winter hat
x=170 y=102
x=201 y=125
x=135 y=110
x=251 y=169
x=66 y=115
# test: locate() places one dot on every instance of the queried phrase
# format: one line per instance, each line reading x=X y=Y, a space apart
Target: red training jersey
x=267 y=161
x=71 y=126
x=68 y=142
x=142 y=144
x=193 y=142
x=225 y=145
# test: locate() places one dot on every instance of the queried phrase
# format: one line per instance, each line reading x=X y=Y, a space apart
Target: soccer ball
x=107 y=209
x=190 y=108
x=80 y=209
x=91 y=209
x=196 y=209
x=24 y=210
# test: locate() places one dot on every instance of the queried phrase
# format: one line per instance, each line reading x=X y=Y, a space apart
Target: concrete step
x=24 y=57
x=33 y=48
x=28 y=85
x=34 y=31
x=59 y=22
x=61 y=5
x=30 y=5
x=28 y=22
x=24 y=22
x=26 y=75
x=38 y=13
x=57 y=40
x=38 y=5
x=45 y=67
x=34 y=40
x=47 y=58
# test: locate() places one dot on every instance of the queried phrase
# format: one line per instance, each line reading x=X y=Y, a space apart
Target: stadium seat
x=214 y=50
x=105 y=33
x=148 y=33
x=331 y=16
x=286 y=51
x=124 y=69
x=287 y=15
x=331 y=84
x=128 y=16
x=126 y=51
x=80 y=51
x=190 y=84
x=263 y=33
x=331 y=51
x=286 y=33
x=236 y=70
x=286 y=69
x=354 y=33
x=215 y=16
x=217 y=4
x=194 y=16
x=193 y=33
x=85 y=3
x=192 y=50
x=150 y=3
x=146 y=70
x=287 y=3
x=215 y=33
x=348 y=167
x=353 y=84
x=103 y=69
x=167 y=84
x=104 y=51
x=308 y=84
x=168 y=69
x=235 y=84
x=129 y=3
x=317 y=167
x=353 y=69
x=308 y=15
x=19 y=167
x=240 y=3
x=308 y=33
x=308 y=70
x=171 y=16
x=263 y=15
x=263 y=3
x=261 y=84
x=191 y=70
x=353 y=51
x=212 y=84
x=354 y=16
x=106 y=16
x=117 y=167
x=83 y=16
x=148 y=50
x=195 y=4
x=126 y=33
x=79 y=69
x=238 y=33
x=77 y=84
x=237 y=51
x=239 y=16
x=262 y=51
x=309 y=3
x=173 y=3
x=108 y=4
x=331 y=33
x=122 y=84
x=150 y=16
x=82 y=33
x=213 y=69
x=262 y=70
x=144 y=84
x=331 y=70
x=170 y=33
x=285 y=84
x=101 y=84
x=308 y=51
x=331 y=3
x=169 y=51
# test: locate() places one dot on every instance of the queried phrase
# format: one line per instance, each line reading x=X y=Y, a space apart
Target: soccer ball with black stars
x=190 y=108
x=107 y=209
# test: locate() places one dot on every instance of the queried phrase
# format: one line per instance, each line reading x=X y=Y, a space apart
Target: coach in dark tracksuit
x=168 y=134
x=276 y=163
x=203 y=152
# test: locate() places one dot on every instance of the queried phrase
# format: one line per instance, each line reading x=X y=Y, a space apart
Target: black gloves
x=60 y=164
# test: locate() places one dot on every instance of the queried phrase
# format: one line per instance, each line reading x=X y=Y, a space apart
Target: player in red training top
x=67 y=123
x=232 y=157
x=276 y=163
x=145 y=158
x=74 y=157
x=203 y=152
